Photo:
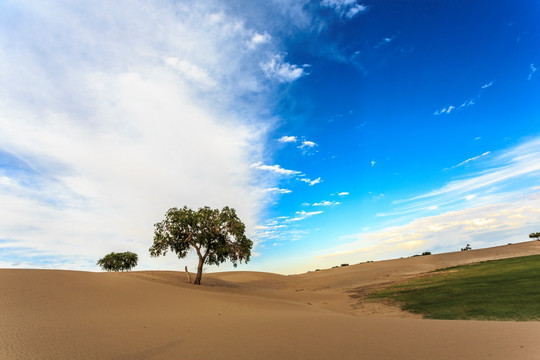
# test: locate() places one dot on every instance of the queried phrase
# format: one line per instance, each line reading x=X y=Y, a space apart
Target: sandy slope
x=48 y=314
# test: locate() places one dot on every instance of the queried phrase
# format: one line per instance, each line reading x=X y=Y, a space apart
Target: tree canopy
x=215 y=235
x=535 y=235
x=118 y=261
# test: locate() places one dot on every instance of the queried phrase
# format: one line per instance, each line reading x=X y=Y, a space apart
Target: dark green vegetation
x=215 y=235
x=494 y=290
x=535 y=236
x=118 y=261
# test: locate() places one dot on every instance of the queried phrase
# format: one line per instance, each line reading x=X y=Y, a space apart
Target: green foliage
x=535 y=235
x=466 y=248
x=118 y=261
x=506 y=289
x=426 y=253
x=215 y=235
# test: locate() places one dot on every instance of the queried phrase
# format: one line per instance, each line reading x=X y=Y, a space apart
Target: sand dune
x=50 y=314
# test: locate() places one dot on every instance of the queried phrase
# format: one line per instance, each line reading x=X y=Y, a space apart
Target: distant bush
x=118 y=261
x=466 y=248
x=344 y=265
x=426 y=253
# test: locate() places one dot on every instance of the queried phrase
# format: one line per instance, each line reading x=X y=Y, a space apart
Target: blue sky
x=342 y=131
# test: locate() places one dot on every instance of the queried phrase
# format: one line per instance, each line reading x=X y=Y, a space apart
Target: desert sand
x=55 y=314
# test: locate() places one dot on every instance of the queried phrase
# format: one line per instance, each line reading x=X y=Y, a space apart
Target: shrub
x=426 y=253
x=466 y=248
x=118 y=261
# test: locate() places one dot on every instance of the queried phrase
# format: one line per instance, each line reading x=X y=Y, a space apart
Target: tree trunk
x=188 y=275
x=199 y=272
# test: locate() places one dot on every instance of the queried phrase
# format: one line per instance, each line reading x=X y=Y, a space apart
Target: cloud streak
x=345 y=8
x=498 y=177
x=276 y=68
x=442 y=233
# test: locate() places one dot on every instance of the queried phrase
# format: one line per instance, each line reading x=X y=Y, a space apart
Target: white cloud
x=385 y=41
x=307 y=144
x=278 y=69
x=326 y=203
x=373 y=162
x=301 y=215
x=278 y=190
x=345 y=8
x=287 y=139
x=259 y=39
x=532 y=69
x=467 y=103
x=309 y=181
x=308 y=147
x=344 y=193
x=110 y=120
x=485 y=86
x=483 y=226
x=191 y=72
x=501 y=176
x=472 y=159
x=274 y=168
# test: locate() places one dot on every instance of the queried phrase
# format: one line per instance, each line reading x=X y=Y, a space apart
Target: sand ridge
x=53 y=314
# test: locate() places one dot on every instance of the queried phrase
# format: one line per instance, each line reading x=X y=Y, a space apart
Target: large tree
x=215 y=235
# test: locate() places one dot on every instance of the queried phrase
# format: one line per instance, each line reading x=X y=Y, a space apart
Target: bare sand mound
x=48 y=314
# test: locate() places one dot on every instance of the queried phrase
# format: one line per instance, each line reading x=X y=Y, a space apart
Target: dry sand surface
x=53 y=314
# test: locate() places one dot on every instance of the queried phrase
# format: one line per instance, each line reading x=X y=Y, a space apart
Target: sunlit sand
x=53 y=314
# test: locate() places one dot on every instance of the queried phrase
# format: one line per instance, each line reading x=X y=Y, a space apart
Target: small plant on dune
x=535 y=235
x=426 y=253
x=466 y=248
x=118 y=261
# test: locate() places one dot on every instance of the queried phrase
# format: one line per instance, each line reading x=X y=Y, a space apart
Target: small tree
x=215 y=235
x=118 y=261
x=535 y=236
x=466 y=248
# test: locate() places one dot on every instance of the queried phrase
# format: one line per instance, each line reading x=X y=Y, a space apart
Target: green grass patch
x=506 y=289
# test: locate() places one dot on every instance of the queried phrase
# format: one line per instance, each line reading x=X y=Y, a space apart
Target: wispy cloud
x=485 y=86
x=301 y=215
x=468 y=161
x=288 y=139
x=488 y=225
x=345 y=8
x=532 y=70
x=326 y=203
x=308 y=147
x=385 y=41
x=344 y=193
x=278 y=190
x=469 y=102
x=275 y=169
x=498 y=177
x=191 y=72
x=446 y=110
x=307 y=144
x=309 y=181
x=259 y=39
x=278 y=69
